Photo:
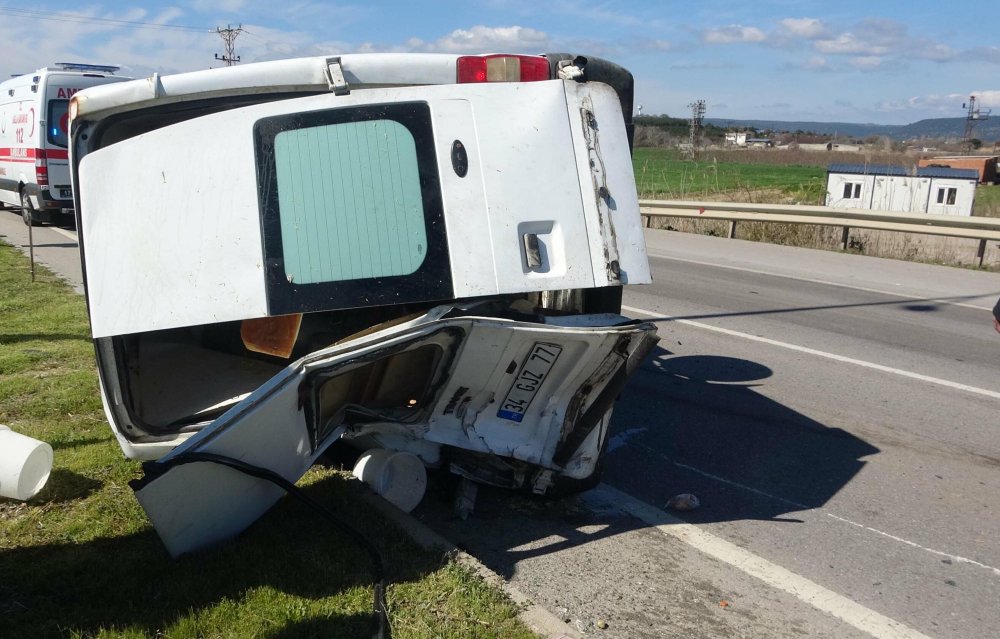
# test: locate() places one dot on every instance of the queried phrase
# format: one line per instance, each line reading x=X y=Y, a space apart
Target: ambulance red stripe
x=23 y=154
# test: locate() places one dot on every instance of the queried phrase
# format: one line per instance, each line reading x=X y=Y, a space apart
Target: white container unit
x=937 y=190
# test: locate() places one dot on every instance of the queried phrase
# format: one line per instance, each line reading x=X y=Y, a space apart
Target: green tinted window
x=350 y=201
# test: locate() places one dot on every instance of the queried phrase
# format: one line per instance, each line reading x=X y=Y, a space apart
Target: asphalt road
x=837 y=416
x=846 y=426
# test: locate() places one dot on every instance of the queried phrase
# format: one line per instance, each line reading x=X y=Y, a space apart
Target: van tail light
x=41 y=168
x=502 y=68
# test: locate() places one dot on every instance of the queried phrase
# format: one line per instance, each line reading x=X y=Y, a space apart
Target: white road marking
x=826 y=282
x=955 y=558
x=823 y=599
x=70 y=234
x=812 y=351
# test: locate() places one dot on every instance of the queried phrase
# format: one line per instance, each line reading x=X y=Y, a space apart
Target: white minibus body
x=34 y=137
x=416 y=252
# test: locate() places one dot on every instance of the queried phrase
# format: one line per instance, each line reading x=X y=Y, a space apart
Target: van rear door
x=381 y=196
x=53 y=139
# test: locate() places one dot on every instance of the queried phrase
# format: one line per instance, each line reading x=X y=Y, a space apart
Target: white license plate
x=530 y=377
x=66 y=194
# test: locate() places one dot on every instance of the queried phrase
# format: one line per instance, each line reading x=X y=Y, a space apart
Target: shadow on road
x=705 y=429
x=684 y=424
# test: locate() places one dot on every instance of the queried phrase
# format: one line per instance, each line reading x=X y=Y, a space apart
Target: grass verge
x=81 y=559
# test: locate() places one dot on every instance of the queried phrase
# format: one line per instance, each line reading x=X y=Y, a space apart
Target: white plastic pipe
x=25 y=464
x=399 y=477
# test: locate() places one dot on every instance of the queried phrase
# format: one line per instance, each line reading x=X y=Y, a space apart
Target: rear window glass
x=350 y=201
x=351 y=208
x=57 y=123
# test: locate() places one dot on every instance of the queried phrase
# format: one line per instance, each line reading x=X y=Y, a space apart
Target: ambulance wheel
x=27 y=211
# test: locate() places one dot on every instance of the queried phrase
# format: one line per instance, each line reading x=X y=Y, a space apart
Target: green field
x=987 y=200
x=766 y=176
x=667 y=174
x=81 y=559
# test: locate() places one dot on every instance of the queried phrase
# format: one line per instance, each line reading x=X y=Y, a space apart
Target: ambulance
x=417 y=253
x=34 y=136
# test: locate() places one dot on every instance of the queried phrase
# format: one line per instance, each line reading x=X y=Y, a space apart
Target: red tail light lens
x=502 y=68
x=41 y=168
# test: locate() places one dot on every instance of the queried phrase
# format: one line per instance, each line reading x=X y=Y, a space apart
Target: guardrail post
x=844 y=238
x=649 y=221
x=732 y=229
x=981 y=252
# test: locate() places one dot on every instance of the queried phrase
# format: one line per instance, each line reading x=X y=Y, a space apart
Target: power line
x=58 y=16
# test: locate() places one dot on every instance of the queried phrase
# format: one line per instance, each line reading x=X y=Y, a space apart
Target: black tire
x=566 y=486
x=27 y=210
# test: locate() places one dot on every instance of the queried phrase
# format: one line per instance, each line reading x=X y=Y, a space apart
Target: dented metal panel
x=618 y=249
x=288 y=422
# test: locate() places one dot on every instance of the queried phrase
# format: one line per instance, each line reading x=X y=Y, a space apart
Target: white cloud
x=804 y=28
x=816 y=63
x=941 y=105
x=166 y=16
x=597 y=13
x=849 y=44
x=867 y=62
x=933 y=51
x=703 y=66
x=482 y=39
x=987 y=54
x=733 y=33
x=656 y=45
x=950 y=101
x=161 y=51
x=987 y=98
x=206 y=6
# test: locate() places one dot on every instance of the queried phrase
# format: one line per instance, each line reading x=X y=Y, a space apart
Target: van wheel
x=27 y=211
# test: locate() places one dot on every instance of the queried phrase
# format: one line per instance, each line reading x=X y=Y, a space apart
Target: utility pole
x=228 y=36
x=697 y=122
x=974 y=115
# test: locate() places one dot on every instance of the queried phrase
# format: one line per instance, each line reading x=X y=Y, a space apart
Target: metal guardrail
x=977 y=228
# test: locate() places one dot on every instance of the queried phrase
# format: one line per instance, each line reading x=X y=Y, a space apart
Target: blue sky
x=884 y=61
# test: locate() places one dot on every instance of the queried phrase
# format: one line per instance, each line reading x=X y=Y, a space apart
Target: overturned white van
x=417 y=252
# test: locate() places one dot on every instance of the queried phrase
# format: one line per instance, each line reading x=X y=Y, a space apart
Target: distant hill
x=988 y=131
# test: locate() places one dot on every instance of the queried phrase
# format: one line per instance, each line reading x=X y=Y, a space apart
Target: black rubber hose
x=381 y=628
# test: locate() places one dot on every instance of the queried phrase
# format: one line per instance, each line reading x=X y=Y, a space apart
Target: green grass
x=987 y=202
x=667 y=174
x=81 y=559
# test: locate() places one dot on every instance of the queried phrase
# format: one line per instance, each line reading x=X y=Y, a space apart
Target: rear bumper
x=48 y=200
